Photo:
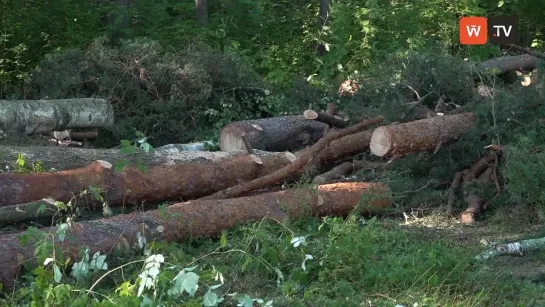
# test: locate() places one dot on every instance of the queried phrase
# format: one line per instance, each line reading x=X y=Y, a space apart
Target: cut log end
x=290 y=156
x=381 y=142
x=310 y=114
x=231 y=141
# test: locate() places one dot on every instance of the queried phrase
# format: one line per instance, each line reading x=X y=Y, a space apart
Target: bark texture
x=421 y=135
x=132 y=186
x=505 y=64
x=199 y=218
x=304 y=158
x=43 y=116
x=63 y=158
x=272 y=134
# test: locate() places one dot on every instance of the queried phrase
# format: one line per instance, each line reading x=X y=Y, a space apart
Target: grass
x=355 y=262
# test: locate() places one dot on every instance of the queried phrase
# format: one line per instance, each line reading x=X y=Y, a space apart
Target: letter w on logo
x=473 y=30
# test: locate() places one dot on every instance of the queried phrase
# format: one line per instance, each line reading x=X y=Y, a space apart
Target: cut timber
x=69 y=158
x=132 y=186
x=505 y=64
x=325 y=118
x=420 y=135
x=197 y=218
x=200 y=169
x=304 y=158
x=346 y=168
x=74 y=135
x=271 y=134
x=43 y=116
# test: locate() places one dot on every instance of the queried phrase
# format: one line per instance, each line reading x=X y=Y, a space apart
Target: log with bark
x=190 y=174
x=325 y=118
x=133 y=185
x=272 y=134
x=64 y=158
x=346 y=168
x=199 y=218
x=218 y=171
x=506 y=64
x=421 y=135
x=43 y=116
x=474 y=180
x=74 y=135
x=297 y=167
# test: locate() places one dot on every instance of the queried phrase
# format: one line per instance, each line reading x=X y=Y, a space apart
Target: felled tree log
x=505 y=64
x=74 y=135
x=43 y=116
x=272 y=134
x=63 y=158
x=346 y=168
x=218 y=171
x=199 y=218
x=474 y=180
x=132 y=185
x=420 y=135
x=325 y=118
x=297 y=166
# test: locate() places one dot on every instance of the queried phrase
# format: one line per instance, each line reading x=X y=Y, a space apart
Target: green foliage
x=173 y=97
x=309 y=263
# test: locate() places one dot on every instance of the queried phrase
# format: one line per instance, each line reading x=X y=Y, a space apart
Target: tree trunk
x=421 y=135
x=505 y=64
x=197 y=218
x=347 y=168
x=132 y=186
x=189 y=180
x=272 y=134
x=63 y=158
x=323 y=20
x=43 y=116
x=202 y=11
x=303 y=161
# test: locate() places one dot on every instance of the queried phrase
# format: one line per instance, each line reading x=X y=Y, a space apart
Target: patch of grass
x=333 y=262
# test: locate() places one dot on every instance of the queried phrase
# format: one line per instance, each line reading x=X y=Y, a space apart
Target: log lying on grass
x=166 y=182
x=198 y=218
x=421 y=135
x=43 y=116
x=132 y=185
x=505 y=64
x=346 y=168
x=304 y=158
x=272 y=134
x=69 y=158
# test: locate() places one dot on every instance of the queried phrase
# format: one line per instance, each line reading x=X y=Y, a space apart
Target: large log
x=272 y=134
x=421 y=135
x=197 y=218
x=218 y=171
x=63 y=158
x=298 y=166
x=43 y=116
x=132 y=185
x=505 y=64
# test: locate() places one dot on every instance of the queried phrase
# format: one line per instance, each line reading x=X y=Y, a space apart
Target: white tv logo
x=505 y=31
x=474 y=30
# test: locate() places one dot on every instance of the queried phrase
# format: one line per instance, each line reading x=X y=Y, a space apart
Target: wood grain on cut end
x=381 y=142
x=276 y=134
x=420 y=135
x=231 y=139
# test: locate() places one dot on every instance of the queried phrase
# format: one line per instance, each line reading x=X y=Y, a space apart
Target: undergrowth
x=333 y=262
